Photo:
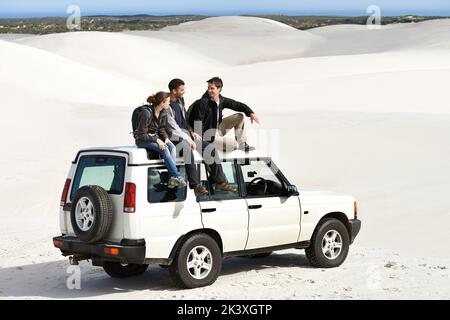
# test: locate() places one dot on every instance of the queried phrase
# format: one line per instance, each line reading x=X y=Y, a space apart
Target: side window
x=260 y=179
x=157 y=190
x=229 y=171
x=107 y=172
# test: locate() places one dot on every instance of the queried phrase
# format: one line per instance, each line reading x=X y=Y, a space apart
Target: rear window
x=107 y=172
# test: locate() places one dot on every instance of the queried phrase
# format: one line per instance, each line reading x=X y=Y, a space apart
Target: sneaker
x=224 y=186
x=173 y=182
x=200 y=190
x=245 y=147
x=181 y=182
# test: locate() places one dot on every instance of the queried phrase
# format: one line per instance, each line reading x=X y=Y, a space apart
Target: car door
x=273 y=219
x=225 y=212
x=165 y=214
x=106 y=170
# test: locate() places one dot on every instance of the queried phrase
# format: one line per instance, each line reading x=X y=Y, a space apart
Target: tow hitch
x=75 y=259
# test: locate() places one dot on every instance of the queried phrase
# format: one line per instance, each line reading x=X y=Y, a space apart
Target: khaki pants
x=236 y=122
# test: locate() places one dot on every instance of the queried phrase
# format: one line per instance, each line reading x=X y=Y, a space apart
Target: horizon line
x=328 y=13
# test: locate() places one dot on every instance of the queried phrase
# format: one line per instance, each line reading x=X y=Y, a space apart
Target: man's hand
x=196 y=136
x=193 y=146
x=254 y=117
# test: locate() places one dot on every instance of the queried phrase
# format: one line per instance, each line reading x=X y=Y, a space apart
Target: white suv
x=117 y=210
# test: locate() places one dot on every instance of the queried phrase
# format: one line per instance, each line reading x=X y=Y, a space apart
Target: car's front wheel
x=123 y=270
x=329 y=244
x=197 y=263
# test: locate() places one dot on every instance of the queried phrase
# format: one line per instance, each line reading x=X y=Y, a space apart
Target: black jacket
x=150 y=128
x=205 y=110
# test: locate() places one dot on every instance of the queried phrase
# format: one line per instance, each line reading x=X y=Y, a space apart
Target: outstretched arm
x=240 y=107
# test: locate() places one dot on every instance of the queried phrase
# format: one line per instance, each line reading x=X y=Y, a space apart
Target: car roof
x=138 y=156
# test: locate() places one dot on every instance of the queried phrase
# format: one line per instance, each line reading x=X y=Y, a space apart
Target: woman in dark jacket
x=151 y=134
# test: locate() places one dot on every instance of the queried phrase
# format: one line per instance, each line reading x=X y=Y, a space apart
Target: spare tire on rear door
x=91 y=213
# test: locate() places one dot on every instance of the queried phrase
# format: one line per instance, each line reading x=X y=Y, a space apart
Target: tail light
x=111 y=251
x=355 y=209
x=65 y=193
x=58 y=244
x=129 y=203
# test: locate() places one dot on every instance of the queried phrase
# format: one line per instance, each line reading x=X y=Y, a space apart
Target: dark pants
x=212 y=160
x=184 y=149
x=210 y=156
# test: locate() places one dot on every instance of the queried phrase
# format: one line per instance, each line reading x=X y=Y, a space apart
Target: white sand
x=358 y=111
x=239 y=40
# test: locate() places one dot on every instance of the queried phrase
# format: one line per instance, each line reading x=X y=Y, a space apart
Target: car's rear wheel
x=329 y=244
x=91 y=213
x=123 y=270
x=197 y=263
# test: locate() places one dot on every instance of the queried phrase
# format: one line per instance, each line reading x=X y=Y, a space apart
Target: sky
x=43 y=8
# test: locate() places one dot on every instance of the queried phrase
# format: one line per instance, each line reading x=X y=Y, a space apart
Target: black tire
x=119 y=270
x=257 y=255
x=314 y=252
x=179 y=271
x=102 y=213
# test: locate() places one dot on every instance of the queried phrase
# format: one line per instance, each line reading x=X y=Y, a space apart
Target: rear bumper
x=128 y=251
x=355 y=225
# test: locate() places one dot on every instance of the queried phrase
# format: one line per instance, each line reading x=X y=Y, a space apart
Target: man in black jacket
x=207 y=111
x=179 y=129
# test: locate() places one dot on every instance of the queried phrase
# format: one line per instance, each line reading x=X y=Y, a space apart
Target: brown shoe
x=224 y=186
x=200 y=190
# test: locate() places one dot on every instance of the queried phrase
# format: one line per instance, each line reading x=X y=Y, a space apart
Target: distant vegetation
x=308 y=22
x=146 y=22
x=92 y=23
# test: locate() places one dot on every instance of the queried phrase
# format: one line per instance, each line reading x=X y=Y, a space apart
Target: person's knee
x=164 y=152
x=170 y=147
x=239 y=117
x=235 y=120
x=238 y=121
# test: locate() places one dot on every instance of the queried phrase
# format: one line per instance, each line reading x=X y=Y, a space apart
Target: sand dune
x=357 y=111
x=351 y=39
x=240 y=26
x=239 y=40
x=49 y=75
x=124 y=55
x=413 y=81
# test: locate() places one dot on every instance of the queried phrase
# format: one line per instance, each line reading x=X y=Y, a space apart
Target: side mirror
x=290 y=190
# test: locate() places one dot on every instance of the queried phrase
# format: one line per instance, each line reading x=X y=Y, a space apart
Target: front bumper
x=128 y=251
x=355 y=226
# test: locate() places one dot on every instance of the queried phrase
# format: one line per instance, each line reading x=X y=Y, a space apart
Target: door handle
x=209 y=210
x=256 y=206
